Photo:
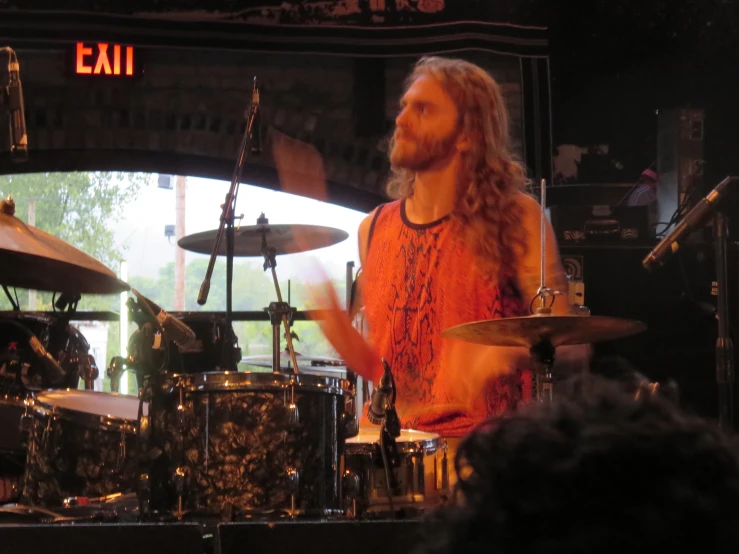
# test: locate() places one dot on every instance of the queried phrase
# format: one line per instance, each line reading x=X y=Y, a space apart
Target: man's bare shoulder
x=363 y=233
x=528 y=203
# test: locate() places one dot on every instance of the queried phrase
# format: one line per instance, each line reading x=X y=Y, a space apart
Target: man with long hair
x=460 y=243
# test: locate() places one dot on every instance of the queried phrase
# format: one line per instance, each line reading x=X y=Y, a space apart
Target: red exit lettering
x=103 y=58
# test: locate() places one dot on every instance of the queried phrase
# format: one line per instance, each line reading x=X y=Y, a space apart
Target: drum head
x=368 y=435
x=105 y=404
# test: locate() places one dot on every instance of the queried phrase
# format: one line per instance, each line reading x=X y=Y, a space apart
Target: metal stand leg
x=543 y=354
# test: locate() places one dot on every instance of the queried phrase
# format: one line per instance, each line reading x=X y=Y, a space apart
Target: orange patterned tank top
x=417 y=281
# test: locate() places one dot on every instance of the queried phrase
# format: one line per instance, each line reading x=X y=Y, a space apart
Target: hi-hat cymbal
x=248 y=239
x=33 y=259
x=530 y=330
x=286 y=363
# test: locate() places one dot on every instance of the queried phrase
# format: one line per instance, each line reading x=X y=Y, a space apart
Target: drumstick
x=301 y=171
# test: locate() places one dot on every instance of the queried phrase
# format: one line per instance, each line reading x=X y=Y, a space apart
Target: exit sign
x=103 y=58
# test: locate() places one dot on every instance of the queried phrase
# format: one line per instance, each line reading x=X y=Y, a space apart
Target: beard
x=419 y=153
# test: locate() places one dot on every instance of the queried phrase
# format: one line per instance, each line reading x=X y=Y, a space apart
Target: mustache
x=404 y=135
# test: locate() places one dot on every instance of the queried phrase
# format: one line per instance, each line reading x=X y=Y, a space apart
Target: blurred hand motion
x=301 y=171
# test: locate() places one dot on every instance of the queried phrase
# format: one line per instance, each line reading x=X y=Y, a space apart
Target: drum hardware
x=228 y=210
x=381 y=411
x=276 y=309
x=445 y=466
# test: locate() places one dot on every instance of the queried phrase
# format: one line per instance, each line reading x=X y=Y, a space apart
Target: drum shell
x=234 y=440
x=421 y=473
x=74 y=453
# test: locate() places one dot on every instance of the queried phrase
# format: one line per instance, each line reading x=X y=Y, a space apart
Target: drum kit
x=203 y=439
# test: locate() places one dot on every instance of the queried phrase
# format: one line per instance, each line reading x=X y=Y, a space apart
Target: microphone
x=381 y=397
x=255 y=137
x=693 y=219
x=172 y=328
x=18 y=136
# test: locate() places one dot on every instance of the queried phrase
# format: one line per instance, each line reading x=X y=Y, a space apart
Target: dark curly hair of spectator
x=599 y=471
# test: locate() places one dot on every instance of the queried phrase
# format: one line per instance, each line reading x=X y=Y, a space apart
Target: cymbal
x=286 y=363
x=248 y=239
x=33 y=259
x=560 y=330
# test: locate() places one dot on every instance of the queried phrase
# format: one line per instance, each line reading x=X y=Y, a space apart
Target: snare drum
x=81 y=443
x=420 y=471
x=240 y=445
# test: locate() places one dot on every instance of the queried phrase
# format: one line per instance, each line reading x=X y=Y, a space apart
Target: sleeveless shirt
x=417 y=281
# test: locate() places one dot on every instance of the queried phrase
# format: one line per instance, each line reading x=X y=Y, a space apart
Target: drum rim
x=427 y=446
x=209 y=381
x=86 y=419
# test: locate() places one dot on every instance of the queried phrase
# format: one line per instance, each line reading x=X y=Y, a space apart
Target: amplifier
x=600 y=223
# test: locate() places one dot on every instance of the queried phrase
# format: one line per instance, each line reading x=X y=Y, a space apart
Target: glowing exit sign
x=102 y=58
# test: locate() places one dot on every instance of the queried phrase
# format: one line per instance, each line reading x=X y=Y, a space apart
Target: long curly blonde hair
x=486 y=206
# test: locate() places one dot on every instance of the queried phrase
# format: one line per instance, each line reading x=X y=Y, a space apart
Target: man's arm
x=363 y=236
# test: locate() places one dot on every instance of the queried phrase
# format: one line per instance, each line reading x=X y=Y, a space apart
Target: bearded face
x=422 y=151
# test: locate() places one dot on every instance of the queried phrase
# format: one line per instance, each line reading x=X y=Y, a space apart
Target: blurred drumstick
x=301 y=171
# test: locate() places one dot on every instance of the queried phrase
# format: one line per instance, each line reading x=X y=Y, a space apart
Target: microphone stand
x=724 y=343
x=227 y=217
x=389 y=431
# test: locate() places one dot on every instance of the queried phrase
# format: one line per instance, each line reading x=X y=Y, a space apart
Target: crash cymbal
x=530 y=330
x=248 y=239
x=285 y=362
x=33 y=259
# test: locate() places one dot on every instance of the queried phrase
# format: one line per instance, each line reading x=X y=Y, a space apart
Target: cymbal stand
x=543 y=354
x=724 y=343
x=543 y=351
x=278 y=311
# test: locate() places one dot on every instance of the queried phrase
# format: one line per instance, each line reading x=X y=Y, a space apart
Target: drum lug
x=352 y=484
x=178 y=479
x=445 y=467
x=144 y=428
x=293 y=480
x=293 y=415
x=121 y=452
x=45 y=442
x=25 y=427
x=144 y=494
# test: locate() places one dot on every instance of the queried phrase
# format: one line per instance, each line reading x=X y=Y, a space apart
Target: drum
x=23 y=370
x=244 y=445
x=216 y=347
x=419 y=471
x=82 y=443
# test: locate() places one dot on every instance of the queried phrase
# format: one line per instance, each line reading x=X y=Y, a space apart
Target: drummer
x=460 y=243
